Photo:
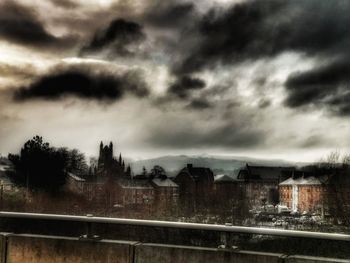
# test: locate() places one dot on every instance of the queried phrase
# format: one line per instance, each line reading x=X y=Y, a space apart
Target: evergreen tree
x=40 y=166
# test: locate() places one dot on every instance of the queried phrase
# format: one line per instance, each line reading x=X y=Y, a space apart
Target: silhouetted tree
x=158 y=172
x=76 y=162
x=40 y=166
x=274 y=197
x=128 y=171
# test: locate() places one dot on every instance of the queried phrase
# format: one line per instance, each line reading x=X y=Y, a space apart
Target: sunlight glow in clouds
x=105 y=3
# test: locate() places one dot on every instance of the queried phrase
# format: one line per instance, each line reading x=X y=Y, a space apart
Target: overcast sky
x=226 y=77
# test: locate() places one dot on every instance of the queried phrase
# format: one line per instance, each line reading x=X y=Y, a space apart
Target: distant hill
x=218 y=164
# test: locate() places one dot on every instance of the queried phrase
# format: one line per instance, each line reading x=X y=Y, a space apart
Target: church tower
x=108 y=165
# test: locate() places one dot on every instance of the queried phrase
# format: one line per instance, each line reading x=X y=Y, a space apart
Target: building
x=225 y=188
x=195 y=188
x=153 y=193
x=98 y=190
x=6 y=185
x=135 y=194
x=75 y=183
x=229 y=196
x=261 y=183
x=166 y=194
x=304 y=194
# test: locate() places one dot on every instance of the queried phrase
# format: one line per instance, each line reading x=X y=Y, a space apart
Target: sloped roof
x=135 y=183
x=76 y=178
x=223 y=178
x=265 y=173
x=198 y=173
x=164 y=182
x=311 y=180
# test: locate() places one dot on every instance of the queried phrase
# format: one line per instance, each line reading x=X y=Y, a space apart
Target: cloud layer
x=202 y=74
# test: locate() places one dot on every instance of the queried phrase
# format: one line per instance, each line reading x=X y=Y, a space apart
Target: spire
x=101 y=148
x=128 y=170
x=120 y=158
x=111 y=149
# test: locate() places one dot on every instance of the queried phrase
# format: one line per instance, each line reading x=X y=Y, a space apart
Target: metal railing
x=89 y=219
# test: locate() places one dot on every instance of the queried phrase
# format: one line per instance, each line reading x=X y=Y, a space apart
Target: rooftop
x=135 y=183
x=76 y=178
x=265 y=173
x=164 y=182
x=221 y=178
x=197 y=172
x=303 y=181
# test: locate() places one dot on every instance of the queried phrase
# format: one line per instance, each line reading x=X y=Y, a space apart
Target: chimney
x=189 y=166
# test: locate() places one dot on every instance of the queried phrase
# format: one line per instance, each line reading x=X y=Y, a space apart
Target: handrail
x=180 y=225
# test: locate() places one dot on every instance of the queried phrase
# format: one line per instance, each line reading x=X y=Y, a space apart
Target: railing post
x=227 y=242
x=89 y=236
x=4 y=247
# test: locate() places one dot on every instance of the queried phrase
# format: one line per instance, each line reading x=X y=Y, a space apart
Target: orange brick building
x=304 y=194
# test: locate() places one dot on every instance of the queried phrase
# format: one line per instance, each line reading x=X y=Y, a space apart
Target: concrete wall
x=43 y=249
x=152 y=253
x=40 y=249
x=305 y=259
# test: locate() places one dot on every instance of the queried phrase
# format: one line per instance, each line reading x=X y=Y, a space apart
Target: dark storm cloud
x=20 y=24
x=325 y=86
x=256 y=29
x=169 y=14
x=119 y=36
x=184 y=85
x=84 y=85
x=65 y=3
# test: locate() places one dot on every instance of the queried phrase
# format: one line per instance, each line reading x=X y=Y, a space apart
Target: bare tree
x=332 y=160
x=346 y=160
x=337 y=171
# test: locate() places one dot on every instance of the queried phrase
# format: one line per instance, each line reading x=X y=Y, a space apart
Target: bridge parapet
x=42 y=247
